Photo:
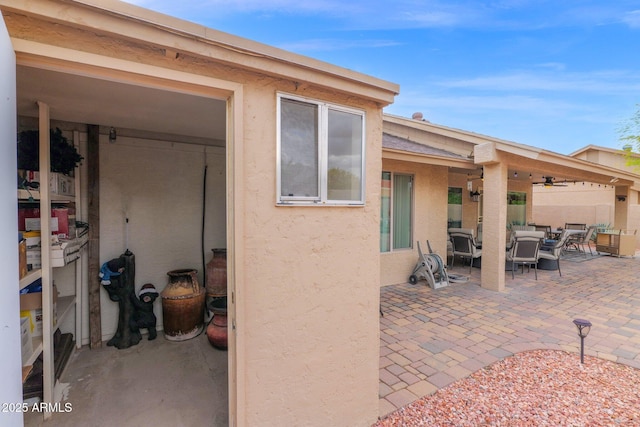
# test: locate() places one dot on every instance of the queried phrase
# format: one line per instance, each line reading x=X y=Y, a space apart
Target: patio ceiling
x=133 y=110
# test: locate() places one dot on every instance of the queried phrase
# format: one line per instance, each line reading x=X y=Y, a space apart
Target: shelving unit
x=617 y=242
x=51 y=257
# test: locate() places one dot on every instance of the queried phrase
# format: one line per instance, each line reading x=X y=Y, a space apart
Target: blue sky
x=553 y=74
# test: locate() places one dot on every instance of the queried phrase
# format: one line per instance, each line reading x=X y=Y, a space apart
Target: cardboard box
x=25 y=338
x=22 y=258
x=58 y=183
x=34 y=258
x=31 y=307
x=63 y=221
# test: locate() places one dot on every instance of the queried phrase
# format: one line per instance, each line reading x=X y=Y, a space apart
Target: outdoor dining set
x=537 y=246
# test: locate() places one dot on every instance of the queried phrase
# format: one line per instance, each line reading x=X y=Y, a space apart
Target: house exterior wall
x=429 y=219
x=310 y=289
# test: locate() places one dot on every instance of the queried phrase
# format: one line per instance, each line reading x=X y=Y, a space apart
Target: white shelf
x=34 y=195
x=31 y=276
x=52 y=257
x=64 y=306
x=37 y=349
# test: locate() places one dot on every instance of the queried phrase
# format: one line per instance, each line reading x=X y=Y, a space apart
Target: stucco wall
x=575 y=203
x=310 y=291
x=429 y=222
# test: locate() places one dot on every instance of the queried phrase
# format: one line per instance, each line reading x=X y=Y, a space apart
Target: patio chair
x=464 y=245
x=574 y=226
x=524 y=252
x=555 y=252
x=546 y=229
x=584 y=239
x=523 y=233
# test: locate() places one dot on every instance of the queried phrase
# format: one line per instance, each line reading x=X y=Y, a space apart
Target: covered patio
x=431 y=338
x=493 y=179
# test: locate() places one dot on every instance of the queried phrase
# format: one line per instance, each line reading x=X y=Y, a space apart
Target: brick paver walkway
x=431 y=338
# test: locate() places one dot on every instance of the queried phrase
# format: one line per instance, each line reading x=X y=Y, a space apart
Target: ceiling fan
x=549 y=181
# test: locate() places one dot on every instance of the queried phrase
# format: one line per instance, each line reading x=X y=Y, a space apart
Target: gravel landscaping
x=534 y=388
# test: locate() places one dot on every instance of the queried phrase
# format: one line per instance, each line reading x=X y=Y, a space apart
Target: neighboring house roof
x=403 y=144
x=592 y=147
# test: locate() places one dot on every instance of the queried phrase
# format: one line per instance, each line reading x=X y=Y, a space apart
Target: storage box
x=31 y=307
x=25 y=338
x=58 y=183
x=34 y=258
x=63 y=221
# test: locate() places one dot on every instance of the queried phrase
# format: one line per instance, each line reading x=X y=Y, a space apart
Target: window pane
x=344 y=175
x=516 y=208
x=454 y=208
x=402 y=211
x=298 y=149
x=385 y=213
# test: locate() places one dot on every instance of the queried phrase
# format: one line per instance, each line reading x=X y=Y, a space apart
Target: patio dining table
x=556 y=232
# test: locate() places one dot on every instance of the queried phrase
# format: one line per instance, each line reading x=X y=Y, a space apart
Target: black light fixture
x=515 y=174
x=474 y=195
x=621 y=198
x=112 y=135
x=584 y=326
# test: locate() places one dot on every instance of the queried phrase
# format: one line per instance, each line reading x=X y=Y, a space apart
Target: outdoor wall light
x=112 y=135
x=621 y=198
x=475 y=196
x=584 y=326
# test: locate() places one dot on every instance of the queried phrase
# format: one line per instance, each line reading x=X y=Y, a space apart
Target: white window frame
x=323 y=157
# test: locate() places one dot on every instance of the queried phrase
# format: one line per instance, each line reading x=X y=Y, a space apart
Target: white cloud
x=591 y=82
x=632 y=19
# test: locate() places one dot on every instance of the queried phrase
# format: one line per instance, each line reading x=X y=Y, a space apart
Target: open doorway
x=163 y=191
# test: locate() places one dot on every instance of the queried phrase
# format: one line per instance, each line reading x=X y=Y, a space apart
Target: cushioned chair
x=574 y=226
x=523 y=233
x=524 y=251
x=556 y=251
x=464 y=245
x=546 y=229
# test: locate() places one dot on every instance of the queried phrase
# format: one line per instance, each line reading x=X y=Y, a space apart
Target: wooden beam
x=93 y=196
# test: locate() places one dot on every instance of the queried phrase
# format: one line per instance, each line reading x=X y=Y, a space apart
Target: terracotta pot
x=217 y=330
x=182 y=305
x=217 y=274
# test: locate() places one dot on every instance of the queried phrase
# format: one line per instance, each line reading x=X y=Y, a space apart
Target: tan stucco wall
x=311 y=289
x=574 y=203
x=587 y=204
x=430 y=219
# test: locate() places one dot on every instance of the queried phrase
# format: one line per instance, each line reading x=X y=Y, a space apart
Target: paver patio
x=431 y=338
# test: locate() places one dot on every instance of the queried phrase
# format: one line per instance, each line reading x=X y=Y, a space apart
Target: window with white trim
x=320 y=153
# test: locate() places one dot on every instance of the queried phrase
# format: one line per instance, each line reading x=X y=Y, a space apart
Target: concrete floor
x=155 y=383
